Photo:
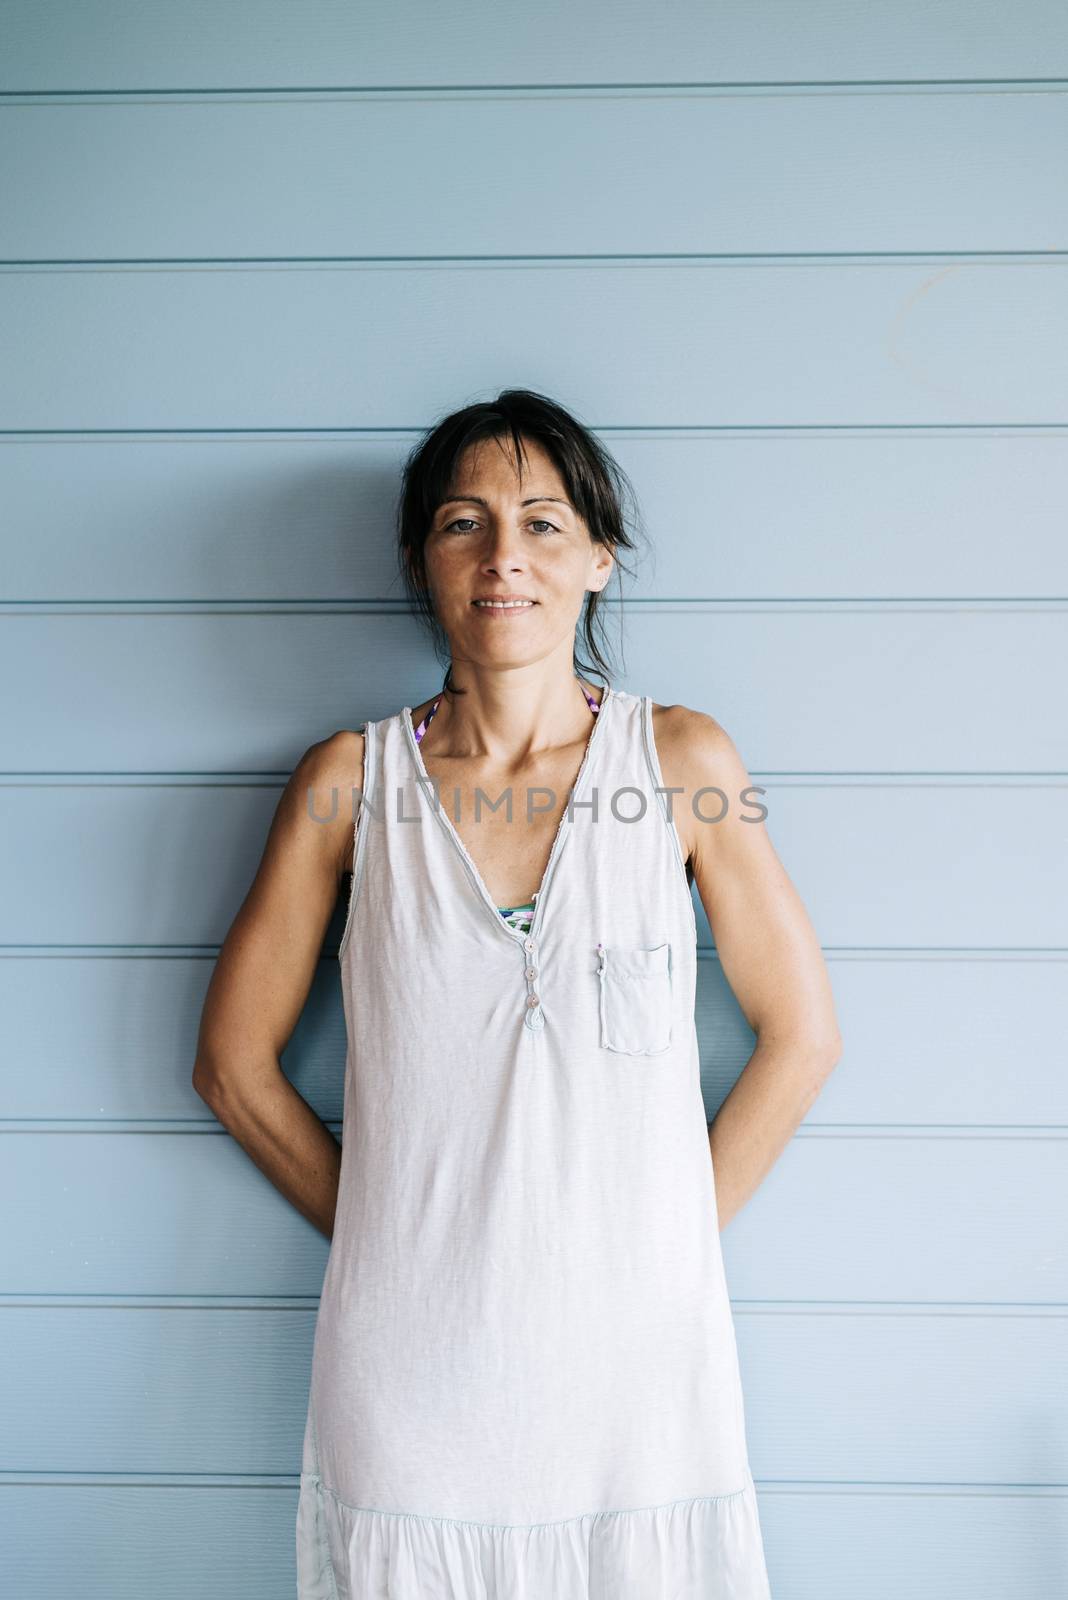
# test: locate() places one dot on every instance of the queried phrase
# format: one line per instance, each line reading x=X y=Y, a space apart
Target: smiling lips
x=503 y=605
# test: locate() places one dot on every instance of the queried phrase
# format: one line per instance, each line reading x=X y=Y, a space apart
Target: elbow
x=206 y=1078
x=821 y=1055
x=817 y=1049
x=234 y=1077
x=825 y=1052
x=831 y=1050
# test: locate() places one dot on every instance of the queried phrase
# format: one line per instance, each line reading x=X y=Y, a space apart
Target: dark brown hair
x=597 y=486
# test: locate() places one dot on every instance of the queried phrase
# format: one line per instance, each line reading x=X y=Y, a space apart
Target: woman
x=525 y=1382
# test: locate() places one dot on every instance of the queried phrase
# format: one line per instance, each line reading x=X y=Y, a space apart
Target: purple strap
x=428 y=719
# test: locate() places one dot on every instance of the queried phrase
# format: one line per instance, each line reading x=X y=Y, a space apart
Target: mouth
x=499 y=607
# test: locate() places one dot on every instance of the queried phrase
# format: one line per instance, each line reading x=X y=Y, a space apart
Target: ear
x=605 y=573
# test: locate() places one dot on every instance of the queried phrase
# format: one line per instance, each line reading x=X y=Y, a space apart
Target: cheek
x=447 y=567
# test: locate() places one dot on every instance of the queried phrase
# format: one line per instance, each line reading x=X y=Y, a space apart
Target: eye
x=455 y=523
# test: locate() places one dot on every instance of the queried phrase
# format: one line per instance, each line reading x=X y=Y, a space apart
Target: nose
x=503 y=551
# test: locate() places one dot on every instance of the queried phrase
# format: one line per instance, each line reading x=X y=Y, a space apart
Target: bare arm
x=262 y=978
x=769 y=952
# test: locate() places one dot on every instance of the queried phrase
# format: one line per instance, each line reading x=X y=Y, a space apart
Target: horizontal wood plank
x=927 y=1039
x=824 y=343
x=736 y=516
x=122 y=1542
x=145 y=44
x=840 y=1217
x=804 y=690
x=698 y=171
x=966 y=866
x=197 y=1390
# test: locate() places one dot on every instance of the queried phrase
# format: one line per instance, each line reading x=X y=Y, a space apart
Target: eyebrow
x=477 y=500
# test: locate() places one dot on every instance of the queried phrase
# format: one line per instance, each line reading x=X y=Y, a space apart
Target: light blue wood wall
x=804 y=269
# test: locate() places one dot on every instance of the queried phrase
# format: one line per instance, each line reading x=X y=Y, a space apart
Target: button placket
x=534 y=1016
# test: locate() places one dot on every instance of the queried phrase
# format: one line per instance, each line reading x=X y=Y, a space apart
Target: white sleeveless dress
x=525 y=1382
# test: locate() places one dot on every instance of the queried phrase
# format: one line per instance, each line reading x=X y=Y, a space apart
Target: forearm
x=280 y=1132
x=760 y=1116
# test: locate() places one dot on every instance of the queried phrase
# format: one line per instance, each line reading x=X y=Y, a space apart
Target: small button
x=532 y=972
x=528 y=944
x=532 y=1000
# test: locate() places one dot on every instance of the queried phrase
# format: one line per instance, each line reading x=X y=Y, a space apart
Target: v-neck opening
x=451 y=831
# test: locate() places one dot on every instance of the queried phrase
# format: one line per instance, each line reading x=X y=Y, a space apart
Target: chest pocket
x=635 y=998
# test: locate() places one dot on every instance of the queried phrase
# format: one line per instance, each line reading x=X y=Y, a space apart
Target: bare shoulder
x=696 y=747
x=696 y=752
x=325 y=786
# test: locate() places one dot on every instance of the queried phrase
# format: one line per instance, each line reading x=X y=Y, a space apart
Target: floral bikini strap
x=428 y=719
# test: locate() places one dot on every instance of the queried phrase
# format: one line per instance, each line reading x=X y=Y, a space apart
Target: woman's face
x=496 y=536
